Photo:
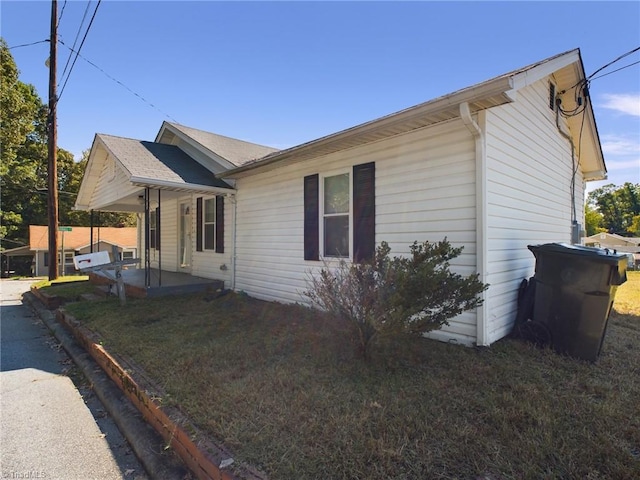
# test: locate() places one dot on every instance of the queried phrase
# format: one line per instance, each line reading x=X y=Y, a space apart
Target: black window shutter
x=199 y=224
x=311 y=218
x=219 y=224
x=364 y=211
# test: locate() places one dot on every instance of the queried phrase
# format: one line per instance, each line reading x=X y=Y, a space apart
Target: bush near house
x=393 y=296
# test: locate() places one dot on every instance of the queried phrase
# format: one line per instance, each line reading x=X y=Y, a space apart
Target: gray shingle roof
x=156 y=161
x=235 y=151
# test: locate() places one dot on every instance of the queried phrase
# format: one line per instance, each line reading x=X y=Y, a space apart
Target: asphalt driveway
x=50 y=427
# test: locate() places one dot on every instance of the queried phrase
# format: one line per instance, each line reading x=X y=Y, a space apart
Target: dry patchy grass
x=281 y=387
x=69 y=287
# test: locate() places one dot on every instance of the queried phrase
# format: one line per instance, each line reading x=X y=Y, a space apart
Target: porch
x=161 y=283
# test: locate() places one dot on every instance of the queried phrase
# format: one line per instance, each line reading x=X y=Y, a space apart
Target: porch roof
x=139 y=164
x=155 y=164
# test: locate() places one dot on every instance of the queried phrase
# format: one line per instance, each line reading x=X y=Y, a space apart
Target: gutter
x=234 y=201
x=179 y=187
x=498 y=86
x=482 y=336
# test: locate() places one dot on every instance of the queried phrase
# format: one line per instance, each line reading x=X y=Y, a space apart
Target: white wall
x=528 y=199
x=114 y=184
x=208 y=263
x=425 y=190
x=204 y=264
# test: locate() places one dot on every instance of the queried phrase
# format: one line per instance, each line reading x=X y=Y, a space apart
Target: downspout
x=482 y=336
x=232 y=281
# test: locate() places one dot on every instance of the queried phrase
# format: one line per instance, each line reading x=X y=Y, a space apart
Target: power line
x=121 y=84
x=616 y=70
x=75 y=41
x=614 y=61
x=79 y=48
x=62 y=11
x=28 y=44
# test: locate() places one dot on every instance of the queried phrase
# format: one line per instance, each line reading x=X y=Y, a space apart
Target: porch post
x=159 y=234
x=91 y=231
x=147 y=250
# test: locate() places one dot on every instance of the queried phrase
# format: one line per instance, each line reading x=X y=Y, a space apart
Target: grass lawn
x=69 y=287
x=281 y=387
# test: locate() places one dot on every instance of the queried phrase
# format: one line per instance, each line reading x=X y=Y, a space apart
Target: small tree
x=392 y=296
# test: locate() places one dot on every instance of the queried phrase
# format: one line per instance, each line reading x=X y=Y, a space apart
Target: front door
x=184 y=237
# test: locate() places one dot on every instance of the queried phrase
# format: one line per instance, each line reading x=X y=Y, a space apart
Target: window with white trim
x=336 y=215
x=209 y=223
x=340 y=214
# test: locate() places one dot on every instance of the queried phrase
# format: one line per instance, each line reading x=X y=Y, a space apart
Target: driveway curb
x=145 y=442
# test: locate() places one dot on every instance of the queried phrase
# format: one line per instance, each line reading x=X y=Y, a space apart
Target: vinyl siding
x=425 y=190
x=204 y=264
x=113 y=184
x=208 y=263
x=528 y=196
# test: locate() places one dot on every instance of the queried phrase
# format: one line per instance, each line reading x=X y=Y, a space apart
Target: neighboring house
x=76 y=242
x=629 y=245
x=493 y=167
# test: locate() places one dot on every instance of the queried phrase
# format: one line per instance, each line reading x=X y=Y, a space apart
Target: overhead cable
x=121 y=84
x=79 y=48
x=75 y=41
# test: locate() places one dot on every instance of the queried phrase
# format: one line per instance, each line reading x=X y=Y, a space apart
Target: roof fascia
x=500 y=85
x=544 y=69
x=180 y=187
x=83 y=191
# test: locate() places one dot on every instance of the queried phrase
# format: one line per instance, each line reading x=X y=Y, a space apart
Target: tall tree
x=19 y=105
x=593 y=220
x=619 y=207
x=23 y=169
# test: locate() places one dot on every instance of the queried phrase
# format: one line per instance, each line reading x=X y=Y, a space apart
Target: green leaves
x=618 y=207
x=392 y=296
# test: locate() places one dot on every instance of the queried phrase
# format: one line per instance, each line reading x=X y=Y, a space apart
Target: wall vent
x=552 y=96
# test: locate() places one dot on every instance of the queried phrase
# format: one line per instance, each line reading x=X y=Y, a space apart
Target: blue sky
x=283 y=73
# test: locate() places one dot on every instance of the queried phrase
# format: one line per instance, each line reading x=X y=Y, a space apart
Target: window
x=340 y=216
x=210 y=224
x=154 y=229
x=336 y=214
x=126 y=255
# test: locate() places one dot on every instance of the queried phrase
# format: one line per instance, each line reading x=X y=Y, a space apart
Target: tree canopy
x=614 y=209
x=24 y=163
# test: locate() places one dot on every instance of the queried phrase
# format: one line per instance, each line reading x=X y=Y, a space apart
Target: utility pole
x=53 y=147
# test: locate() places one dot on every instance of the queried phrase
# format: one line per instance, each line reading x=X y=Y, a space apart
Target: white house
x=493 y=167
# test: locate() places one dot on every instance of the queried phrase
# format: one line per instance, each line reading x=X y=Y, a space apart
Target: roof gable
x=491 y=93
x=231 y=151
x=139 y=164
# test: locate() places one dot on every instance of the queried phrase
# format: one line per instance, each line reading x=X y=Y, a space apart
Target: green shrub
x=392 y=296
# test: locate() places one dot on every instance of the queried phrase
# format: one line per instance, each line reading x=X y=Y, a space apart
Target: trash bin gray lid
x=591 y=253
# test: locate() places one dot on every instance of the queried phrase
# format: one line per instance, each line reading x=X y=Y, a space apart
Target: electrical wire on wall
x=581 y=97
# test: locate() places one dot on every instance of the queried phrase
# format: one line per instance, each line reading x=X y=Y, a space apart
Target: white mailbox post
x=100 y=261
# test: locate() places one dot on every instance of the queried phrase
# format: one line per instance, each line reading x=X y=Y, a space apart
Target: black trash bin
x=575 y=289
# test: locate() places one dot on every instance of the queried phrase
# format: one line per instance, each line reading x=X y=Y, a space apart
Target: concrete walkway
x=49 y=427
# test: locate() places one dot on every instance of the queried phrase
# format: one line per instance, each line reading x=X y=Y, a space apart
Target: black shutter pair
x=219 y=224
x=364 y=214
